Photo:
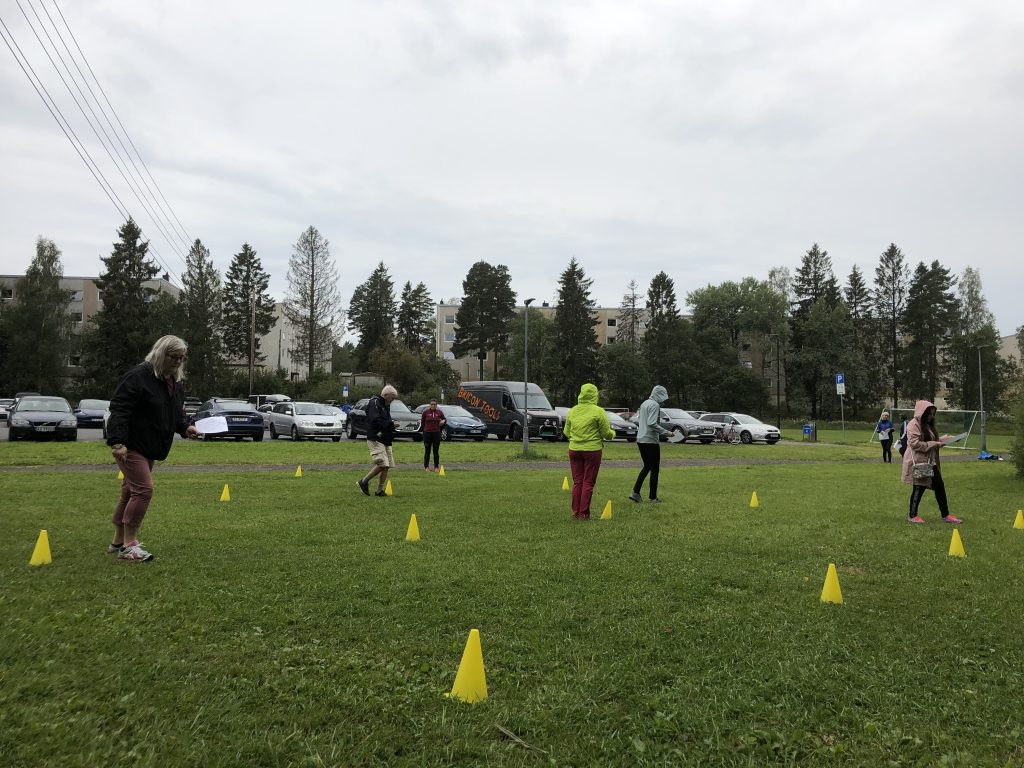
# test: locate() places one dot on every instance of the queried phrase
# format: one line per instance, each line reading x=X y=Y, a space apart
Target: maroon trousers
x=584 y=466
x=136 y=490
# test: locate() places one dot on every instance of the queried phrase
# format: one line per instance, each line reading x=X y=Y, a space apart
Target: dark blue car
x=459 y=423
x=90 y=413
x=241 y=416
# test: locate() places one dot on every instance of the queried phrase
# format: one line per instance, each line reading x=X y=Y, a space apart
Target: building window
x=6 y=293
x=77 y=295
x=75 y=361
x=611 y=322
x=76 y=317
x=611 y=339
x=449 y=337
x=449 y=319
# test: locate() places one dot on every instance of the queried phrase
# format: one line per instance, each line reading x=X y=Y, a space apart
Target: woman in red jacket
x=431 y=422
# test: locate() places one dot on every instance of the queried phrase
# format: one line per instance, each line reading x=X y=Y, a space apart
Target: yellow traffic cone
x=831 y=593
x=753 y=502
x=298 y=471
x=413 y=534
x=1019 y=522
x=471 y=680
x=120 y=475
x=956 y=546
x=565 y=483
x=41 y=554
x=225 y=495
x=607 y=514
x=388 y=490
x=441 y=471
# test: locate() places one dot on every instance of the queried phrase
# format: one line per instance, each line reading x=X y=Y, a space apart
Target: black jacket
x=144 y=416
x=379 y=426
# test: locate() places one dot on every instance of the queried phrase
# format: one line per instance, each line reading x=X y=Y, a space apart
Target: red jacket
x=430 y=420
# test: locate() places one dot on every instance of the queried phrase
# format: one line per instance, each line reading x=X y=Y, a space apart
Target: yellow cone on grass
x=413 y=534
x=607 y=514
x=441 y=471
x=298 y=471
x=41 y=554
x=1019 y=522
x=956 y=545
x=388 y=490
x=120 y=475
x=565 y=483
x=225 y=495
x=471 y=681
x=830 y=592
x=753 y=500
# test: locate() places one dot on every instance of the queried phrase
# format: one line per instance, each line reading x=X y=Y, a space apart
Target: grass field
x=294 y=625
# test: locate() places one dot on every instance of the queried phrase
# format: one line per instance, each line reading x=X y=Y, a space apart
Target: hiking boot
x=364 y=486
x=380 y=492
x=634 y=496
x=952 y=519
x=916 y=520
x=136 y=554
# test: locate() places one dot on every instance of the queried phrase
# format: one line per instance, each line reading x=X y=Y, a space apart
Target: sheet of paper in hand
x=212 y=425
x=955 y=438
x=677 y=436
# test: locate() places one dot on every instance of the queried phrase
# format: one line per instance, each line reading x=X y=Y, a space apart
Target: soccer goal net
x=946 y=423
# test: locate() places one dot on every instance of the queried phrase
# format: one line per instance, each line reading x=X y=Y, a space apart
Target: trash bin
x=810 y=432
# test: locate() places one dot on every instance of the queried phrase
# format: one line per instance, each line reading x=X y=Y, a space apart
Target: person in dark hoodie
x=147 y=408
x=923 y=444
x=380 y=434
x=648 y=440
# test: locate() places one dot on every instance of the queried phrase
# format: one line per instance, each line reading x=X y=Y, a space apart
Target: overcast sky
x=714 y=140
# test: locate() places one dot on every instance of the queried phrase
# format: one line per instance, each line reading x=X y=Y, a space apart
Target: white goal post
x=946 y=423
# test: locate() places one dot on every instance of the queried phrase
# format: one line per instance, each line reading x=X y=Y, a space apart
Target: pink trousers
x=584 y=466
x=136 y=489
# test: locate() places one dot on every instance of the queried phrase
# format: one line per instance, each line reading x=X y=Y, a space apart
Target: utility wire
x=113 y=111
x=83 y=153
x=99 y=138
x=176 y=229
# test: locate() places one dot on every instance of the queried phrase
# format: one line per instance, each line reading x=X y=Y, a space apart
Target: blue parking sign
x=840 y=379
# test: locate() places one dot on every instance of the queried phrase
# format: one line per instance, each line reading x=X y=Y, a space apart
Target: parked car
x=5 y=405
x=41 y=417
x=676 y=419
x=409 y=422
x=561 y=411
x=264 y=412
x=241 y=416
x=338 y=411
x=90 y=413
x=623 y=429
x=192 y=406
x=304 y=421
x=500 y=405
x=750 y=429
x=458 y=422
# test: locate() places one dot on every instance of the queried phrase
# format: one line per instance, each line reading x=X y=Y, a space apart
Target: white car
x=304 y=420
x=749 y=428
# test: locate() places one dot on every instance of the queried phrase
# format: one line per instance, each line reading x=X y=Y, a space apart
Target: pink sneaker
x=952 y=519
x=917 y=520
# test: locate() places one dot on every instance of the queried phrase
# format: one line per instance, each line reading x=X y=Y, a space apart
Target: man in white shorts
x=380 y=433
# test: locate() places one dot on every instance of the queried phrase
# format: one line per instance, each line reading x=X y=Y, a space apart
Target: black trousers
x=431 y=440
x=651 y=454
x=886 y=451
x=940 y=495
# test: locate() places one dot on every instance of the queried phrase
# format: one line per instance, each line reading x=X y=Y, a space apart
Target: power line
x=113 y=159
x=69 y=132
x=118 y=119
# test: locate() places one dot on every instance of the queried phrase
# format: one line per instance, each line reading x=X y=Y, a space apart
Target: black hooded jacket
x=144 y=416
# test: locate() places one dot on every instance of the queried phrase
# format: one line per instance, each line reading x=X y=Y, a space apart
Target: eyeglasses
x=177 y=358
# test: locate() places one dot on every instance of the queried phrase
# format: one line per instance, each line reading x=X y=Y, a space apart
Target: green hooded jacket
x=586 y=425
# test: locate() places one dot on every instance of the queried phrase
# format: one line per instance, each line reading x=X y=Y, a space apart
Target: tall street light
x=778 y=382
x=526 y=376
x=981 y=398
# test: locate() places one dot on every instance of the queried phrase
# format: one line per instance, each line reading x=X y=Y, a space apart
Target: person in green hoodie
x=648 y=440
x=586 y=426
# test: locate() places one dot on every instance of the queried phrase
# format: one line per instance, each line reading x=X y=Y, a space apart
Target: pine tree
x=312 y=304
x=575 y=338
x=121 y=334
x=669 y=341
x=631 y=317
x=371 y=313
x=892 y=277
x=200 y=302
x=975 y=341
x=929 y=320
x=814 y=283
x=869 y=380
x=486 y=312
x=38 y=325
x=416 y=317
x=245 y=285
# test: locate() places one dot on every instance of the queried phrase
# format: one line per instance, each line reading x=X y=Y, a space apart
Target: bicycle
x=731 y=435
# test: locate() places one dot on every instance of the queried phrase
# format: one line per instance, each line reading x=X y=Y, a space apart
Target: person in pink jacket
x=923 y=444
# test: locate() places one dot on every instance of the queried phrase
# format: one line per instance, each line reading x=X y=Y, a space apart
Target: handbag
x=922 y=471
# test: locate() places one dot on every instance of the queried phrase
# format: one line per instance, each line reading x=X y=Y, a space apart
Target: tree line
x=908 y=334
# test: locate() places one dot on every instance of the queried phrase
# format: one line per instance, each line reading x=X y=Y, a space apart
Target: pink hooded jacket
x=919 y=450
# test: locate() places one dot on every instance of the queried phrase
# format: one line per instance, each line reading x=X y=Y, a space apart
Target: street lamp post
x=778 y=383
x=526 y=376
x=252 y=336
x=981 y=398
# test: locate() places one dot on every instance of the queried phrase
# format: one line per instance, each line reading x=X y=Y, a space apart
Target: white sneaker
x=136 y=553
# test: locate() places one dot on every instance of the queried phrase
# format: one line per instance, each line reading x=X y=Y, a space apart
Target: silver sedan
x=304 y=421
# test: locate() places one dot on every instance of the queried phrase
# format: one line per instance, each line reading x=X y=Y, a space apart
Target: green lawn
x=294 y=626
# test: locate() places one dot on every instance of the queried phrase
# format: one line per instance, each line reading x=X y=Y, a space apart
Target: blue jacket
x=648 y=428
x=885 y=429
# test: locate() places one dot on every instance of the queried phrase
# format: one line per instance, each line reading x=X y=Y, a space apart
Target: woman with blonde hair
x=147 y=408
